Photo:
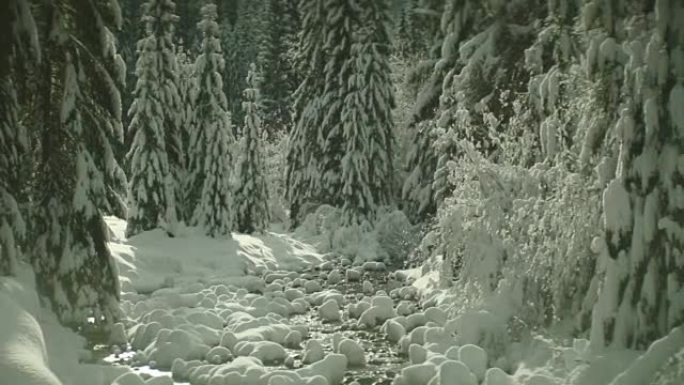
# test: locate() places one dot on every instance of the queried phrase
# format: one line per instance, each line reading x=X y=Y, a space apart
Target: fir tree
x=641 y=296
x=342 y=19
x=155 y=155
x=303 y=172
x=251 y=195
x=17 y=40
x=367 y=117
x=277 y=64
x=208 y=186
x=186 y=92
x=79 y=115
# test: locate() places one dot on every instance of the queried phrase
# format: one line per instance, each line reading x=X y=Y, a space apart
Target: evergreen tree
x=17 y=39
x=251 y=195
x=186 y=92
x=641 y=297
x=367 y=117
x=248 y=33
x=342 y=19
x=303 y=172
x=79 y=114
x=277 y=64
x=208 y=186
x=155 y=157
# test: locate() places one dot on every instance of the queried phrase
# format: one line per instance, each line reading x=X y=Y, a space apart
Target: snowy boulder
x=218 y=355
x=313 y=352
x=356 y=309
x=452 y=352
x=326 y=266
x=405 y=308
x=419 y=374
x=374 y=266
x=23 y=358
x=417 y=354
x=453 y=372
x=293 y=339
x=273 y=287
x=393 y=330
x=329 y=311
x=177 y=344
x=117 y=335
x=496 y=376
x=292 y=294
x=129 y=379
x=381 y=310
x=353 y=351
x=415 y=320
x=334 y=277
x=475 y=358
x=228 y=340
x=268 y=352
x=353 y=275
x=312 y=286
x=367 y=288
x=332 y=367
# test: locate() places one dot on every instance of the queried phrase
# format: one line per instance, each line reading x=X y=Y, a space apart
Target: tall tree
x=208 y=186
x=303 y=172
x=644 y=278
x=18 y=44
x=79 y=115
x=367 y=116
x=251 y=194
x=155 y=154
x=277 y=64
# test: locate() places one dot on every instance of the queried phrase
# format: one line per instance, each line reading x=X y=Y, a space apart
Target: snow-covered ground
x=243 y=311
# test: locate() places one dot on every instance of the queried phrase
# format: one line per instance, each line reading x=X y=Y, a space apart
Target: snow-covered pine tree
x=208 y=186
x=16 y=24
x=79 y=112
x=277 y=65
x=303 y=172
x=342 y=19
x=186 y=92
x=249 y=32
x=155 y=156
x=367 y=117
x=251 y=194
x=642 y=296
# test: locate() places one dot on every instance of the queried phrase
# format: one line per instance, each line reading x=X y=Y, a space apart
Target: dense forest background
x=531 y=150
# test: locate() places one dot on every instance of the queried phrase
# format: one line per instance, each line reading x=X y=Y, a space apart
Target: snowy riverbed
x=270 y=310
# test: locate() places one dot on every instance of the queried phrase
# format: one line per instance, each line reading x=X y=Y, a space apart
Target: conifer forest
x=342 y=192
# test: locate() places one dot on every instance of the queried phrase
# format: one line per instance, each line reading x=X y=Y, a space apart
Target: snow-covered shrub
x=395 y=235
x=390 y=238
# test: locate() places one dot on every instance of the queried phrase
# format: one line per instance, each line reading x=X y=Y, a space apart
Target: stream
x=383 y=358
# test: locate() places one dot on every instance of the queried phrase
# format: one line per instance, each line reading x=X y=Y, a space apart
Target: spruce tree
x=342 y=19
x=186 y=92
x=208 y=186
x=641 y=296
x=277 y=65
x=303 y=172
x=17 y=46
x=79 y=114
x=251 y=196
x=367 y=117
x=155 y=154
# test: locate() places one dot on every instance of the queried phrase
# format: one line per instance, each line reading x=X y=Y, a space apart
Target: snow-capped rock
x=475 y=358
x=353 y=351
x=329 y=311
x=313 y=352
